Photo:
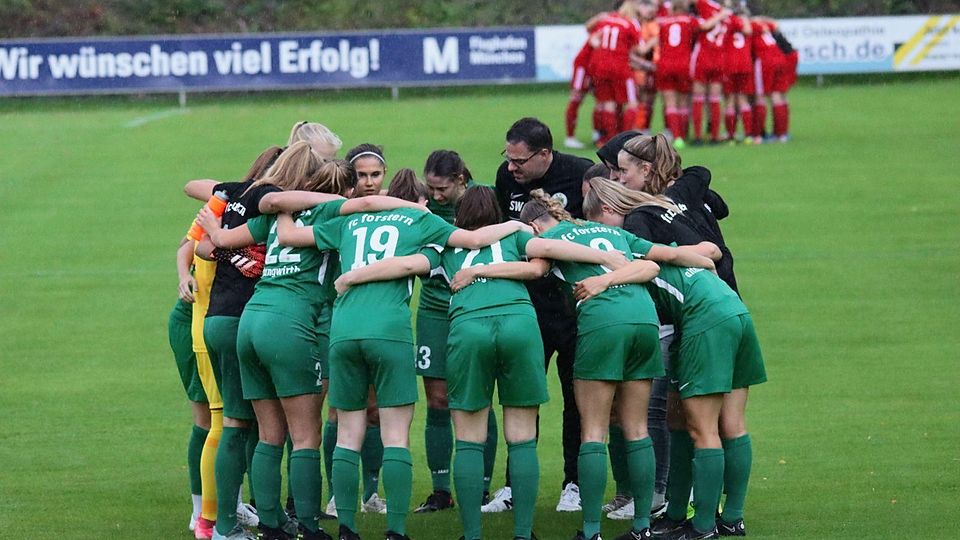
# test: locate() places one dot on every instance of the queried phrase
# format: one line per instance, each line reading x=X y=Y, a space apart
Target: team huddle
x=694 y=54
x=295 y=285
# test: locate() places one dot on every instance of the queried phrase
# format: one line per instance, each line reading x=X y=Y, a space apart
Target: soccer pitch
x=846 y=253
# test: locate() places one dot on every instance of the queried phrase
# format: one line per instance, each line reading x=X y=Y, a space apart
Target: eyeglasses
x=518 y=162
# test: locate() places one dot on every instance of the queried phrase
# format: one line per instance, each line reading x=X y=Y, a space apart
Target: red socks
x=746 y=114
x=698 y=117
x=630 y=118
x=730 y=119
x=760 y=116
x=781 y=119
x=714 y=118
x=572 y=107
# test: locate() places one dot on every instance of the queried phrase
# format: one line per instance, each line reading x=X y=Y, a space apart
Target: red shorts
x=706 y=68
x=738 y=83
x=791 y=67
x=581 y=79
x=673 y=77
x=770 y=77
x=619 y=90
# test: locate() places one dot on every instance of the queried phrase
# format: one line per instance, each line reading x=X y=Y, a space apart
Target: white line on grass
x=160 y=115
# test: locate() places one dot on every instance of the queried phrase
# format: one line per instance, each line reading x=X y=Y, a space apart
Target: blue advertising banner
x=251 y=62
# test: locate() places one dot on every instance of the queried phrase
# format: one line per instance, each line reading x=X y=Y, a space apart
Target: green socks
x=397 y=485
x=306 y=486
x=468 y=478
x=490 y=451
x=525 y=479
x=642 y=465
x=737 y=458
x=681 y=475
x=618 y=460
x=346 y=470
x=371 y=456
x=198 y=436
x=438 y=437
x=265 y=472
x=229 y=468
x=707 y=486
x=329 y=444
x=253 y=437
x=592 y=464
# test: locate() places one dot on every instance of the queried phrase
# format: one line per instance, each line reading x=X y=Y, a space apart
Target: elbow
x=268 y=204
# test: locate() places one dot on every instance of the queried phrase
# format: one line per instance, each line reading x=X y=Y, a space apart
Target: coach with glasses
x=530 y=163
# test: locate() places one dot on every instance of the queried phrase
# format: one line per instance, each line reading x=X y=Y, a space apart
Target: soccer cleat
x=658 y=505
x=731 y=529
x=290 y=508
x=347 y=534
x=374 y=505
x=395 y=536
x=237 y=533
x=689 y=532
x=784 y=138
x=436 y=501
x=304 y=534
x=623 y=513
x=331 y=508
x=501 y=502
x=204 y=529
x=664 y=526
x=569 y=498
x=247 y=515
x=619 y=501
x=580 y=536
x=573 y=142
x=645 y=534
x=192 y=526
x=485 y=499
x=291 y=526
x=270 y=533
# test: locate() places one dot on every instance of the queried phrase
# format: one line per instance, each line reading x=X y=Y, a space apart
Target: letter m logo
x=437 y=60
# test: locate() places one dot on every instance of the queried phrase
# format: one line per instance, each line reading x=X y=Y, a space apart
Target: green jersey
x=628 y=303
x=484 y=297
x=434 y=294
x=381 y=309
x=295 y=281
x=694 y=298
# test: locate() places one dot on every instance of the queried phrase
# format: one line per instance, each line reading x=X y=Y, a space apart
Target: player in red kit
x=579 y=86
x=613 y=38
x=677 y=31
x=738 y=73
x=769 y=71
x=706 y=66
x=783 y=81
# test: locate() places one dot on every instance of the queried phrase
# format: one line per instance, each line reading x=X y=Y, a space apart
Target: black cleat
x=323 y=516
x=396 y=536
x=270 y=533
x=689 y=532
x=347 y=534
x=436 y=501
x=290 y=508
x=304 y=534
x=664 y=526
x=731 y=529
x=644 y=534
x=580 y=536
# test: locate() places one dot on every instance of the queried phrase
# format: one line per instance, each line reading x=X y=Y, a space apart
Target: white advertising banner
x=826 y=46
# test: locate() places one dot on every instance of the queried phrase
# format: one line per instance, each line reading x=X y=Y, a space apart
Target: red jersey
x=764 y=46
x=737 y=48
x=612 y=41
x=676 y=38
x=710 y=43
x=583 y=57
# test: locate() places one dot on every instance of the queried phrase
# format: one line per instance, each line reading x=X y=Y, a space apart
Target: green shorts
x=322 y=325
x=432 y=331
x=719 y=359
x=622 y=352
x=181 y=342
x=387 y=365
x=279 y=355
x=505 y=349
x=220 y=334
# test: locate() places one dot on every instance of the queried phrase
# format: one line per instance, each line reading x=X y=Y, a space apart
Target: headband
x=368 y=153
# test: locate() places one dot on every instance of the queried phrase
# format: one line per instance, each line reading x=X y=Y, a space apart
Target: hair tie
x=368 y=153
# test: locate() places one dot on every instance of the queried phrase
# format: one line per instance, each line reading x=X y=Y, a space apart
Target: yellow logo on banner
x=935 y=36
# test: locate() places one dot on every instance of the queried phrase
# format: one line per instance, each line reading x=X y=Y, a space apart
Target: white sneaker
x=501 y=501
x=569 y=499
x=623 y=513
x=332 y=507
x=193 y=521
x=373 y=505
x=238 y=533
x=247 y=515
x=658 y=505
x=573 y=142
x=619 y=501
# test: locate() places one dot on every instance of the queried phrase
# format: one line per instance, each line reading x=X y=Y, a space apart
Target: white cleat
x=373 y=505
x=193 y=521
x=569 y=499
x=247 y=515
x=619 y=501
x=238 y=533
x=331 y=507
x=573 y=142
x=625 y=512
x=501 y=501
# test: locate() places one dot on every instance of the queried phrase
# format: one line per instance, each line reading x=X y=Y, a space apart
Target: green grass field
x=846 y=243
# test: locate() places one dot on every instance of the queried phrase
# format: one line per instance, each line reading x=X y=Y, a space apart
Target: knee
x=731 y=428
x=272 y=434
x=436 y=390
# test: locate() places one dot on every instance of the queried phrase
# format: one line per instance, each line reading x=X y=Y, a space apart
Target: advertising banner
x=251 y=62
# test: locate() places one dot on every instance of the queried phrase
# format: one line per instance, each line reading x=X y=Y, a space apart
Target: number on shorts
x=424 y=361
x=609 y=38
x=674 y=35
x=286 y=254
x=383 y=240
x=319 y=375
x=603 y=245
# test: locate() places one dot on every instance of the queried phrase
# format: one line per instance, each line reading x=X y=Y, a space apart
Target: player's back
x=676 y=38
x=613 y=38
